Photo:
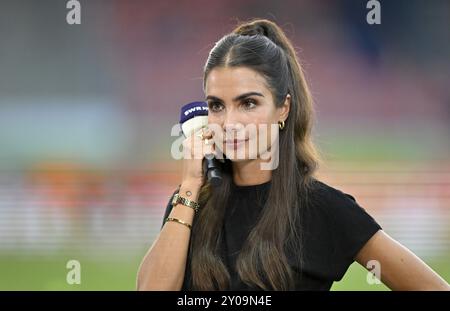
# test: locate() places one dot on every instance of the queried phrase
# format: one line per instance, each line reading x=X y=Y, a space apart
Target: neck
x=247 y=173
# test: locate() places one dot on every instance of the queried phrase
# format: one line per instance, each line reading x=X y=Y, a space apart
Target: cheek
x=262 y=123
x=215 y=122
x=267 y=132
x=212 y=118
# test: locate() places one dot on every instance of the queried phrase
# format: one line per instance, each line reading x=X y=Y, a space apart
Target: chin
x=238 y=160
x=247 y=157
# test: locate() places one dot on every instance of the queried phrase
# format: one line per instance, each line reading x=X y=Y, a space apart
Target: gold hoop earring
x=281 y=124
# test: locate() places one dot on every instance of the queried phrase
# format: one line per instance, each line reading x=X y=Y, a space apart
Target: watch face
x=175 y=199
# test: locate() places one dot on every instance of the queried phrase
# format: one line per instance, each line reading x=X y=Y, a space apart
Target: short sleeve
x=350 y=227
x=168 y=208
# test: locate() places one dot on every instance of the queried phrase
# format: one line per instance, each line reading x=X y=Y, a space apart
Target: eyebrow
x=237 y=98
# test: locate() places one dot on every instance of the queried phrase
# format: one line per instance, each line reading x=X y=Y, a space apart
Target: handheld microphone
x=193 y=117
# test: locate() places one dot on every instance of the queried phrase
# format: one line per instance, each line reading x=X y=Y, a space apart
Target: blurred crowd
x=86 y=112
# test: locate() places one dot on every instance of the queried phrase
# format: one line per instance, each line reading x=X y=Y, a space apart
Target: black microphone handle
x=212 y=170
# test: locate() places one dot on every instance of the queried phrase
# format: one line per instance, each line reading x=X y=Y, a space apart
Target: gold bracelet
x=178 y=221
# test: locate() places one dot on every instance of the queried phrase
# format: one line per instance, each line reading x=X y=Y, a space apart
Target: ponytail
x=297 y=86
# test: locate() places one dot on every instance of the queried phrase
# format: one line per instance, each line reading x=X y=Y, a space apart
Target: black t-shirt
x=335 y=228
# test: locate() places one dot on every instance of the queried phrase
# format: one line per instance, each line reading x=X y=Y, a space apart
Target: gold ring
x=200 y=135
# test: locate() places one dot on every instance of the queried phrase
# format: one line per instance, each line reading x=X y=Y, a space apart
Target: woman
x=265 y=229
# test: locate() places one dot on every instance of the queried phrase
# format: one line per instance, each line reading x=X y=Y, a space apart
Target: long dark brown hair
x=261 y=45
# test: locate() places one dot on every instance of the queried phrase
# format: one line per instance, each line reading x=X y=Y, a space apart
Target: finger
x=197 y=141
x=187 y=150
x=198 y=134
x=208 y=133
x=209 y=146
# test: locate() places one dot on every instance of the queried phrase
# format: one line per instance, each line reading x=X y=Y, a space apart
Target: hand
x=194 y=150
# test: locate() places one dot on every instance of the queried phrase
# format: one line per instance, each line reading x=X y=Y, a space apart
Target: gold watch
x=179 y=199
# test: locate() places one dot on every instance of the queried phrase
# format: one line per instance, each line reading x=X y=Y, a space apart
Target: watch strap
x=177 y=198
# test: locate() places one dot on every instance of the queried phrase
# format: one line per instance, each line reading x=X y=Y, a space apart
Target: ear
x=284 y=109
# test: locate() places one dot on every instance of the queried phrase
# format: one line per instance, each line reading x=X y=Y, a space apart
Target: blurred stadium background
x=86 y=113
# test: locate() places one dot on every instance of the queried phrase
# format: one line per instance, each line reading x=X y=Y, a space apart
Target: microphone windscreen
x=192 y=110
x=194 y=124
x=193 y=116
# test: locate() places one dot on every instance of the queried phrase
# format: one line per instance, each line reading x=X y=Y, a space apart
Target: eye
x=215 y=106
x=249 y=103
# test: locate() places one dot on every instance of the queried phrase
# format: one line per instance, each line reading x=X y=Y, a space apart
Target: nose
x=232 y=121
x=233 y=126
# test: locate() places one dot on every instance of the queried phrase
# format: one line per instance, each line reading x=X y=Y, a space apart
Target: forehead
x=233 y=81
